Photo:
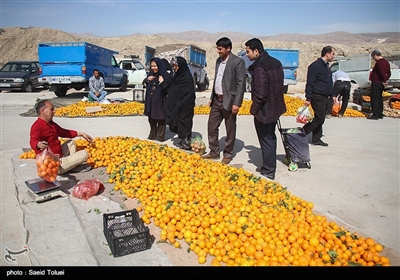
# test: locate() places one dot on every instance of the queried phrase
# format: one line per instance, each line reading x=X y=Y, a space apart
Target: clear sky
x=259 y=18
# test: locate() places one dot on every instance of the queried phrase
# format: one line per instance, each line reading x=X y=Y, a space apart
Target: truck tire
x=61 y=91
x=124 y=84
x=248 y=84
x=204 y=86
x=195 y=81
x=285 y=88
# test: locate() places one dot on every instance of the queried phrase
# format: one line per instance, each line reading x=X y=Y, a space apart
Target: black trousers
x=319 y=104
x=267 y=138
x=377 y=99
x=342 y=88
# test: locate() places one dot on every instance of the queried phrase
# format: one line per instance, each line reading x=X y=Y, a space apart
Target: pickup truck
x=195 y=57
x=136 y=70
x=290 y=62
x=66 y=65
x=358 y=67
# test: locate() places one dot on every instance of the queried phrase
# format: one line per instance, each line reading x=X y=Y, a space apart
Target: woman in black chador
x=157 y=83
x=180 y=102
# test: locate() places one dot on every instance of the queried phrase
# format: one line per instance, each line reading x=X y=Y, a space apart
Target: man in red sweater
x=378 y=77
x=45 y=133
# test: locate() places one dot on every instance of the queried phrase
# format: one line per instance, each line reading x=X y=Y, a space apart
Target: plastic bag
x=304 y=115
x=197 y=145
x=87 y=189
x=47 y=164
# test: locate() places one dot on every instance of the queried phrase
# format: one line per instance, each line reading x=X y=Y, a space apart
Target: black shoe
x=320 y=143
x=372 y=117
x=269 y=176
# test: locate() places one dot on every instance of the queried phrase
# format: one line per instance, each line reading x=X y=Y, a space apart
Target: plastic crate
x=126 y=233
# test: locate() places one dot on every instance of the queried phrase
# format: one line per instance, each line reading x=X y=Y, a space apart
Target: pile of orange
x=136 y=108
x=225 y=215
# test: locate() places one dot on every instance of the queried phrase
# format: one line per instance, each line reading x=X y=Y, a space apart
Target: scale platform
x=40 y=190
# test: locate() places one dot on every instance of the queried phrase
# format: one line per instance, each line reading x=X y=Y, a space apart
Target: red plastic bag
x=87 y=189
x=47 y=164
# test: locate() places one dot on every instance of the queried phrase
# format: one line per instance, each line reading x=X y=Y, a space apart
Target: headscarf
x=162 y=71
x=168 y=66
x=182 y=81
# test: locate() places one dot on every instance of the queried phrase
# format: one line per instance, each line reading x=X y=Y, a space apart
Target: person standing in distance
x=268 y=103
x=341 y=86
x=225 y=100
x=96 y=87
x=319 y=89
x=378 y=77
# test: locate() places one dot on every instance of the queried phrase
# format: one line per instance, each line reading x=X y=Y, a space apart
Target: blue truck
x=66 y=65
x=290 y=62
x=195 y=57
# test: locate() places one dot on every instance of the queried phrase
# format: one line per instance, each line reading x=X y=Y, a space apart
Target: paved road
x=355 y=181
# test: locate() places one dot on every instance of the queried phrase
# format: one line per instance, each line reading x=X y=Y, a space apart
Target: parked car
x=20 y=75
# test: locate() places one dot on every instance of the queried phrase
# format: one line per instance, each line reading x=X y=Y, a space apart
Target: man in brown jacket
x=268 y=103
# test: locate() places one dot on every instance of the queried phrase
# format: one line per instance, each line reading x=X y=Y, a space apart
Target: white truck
x=135 y=68
x=195 y=57
x=359 y=67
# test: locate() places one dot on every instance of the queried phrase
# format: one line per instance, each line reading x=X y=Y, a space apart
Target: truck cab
x=290 y=63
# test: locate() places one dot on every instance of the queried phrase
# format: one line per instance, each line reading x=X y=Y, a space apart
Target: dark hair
x=375 y=52
x=325 y=50
x=95 y=70
x=224 y=42
x=40 y=104
x=255 y=44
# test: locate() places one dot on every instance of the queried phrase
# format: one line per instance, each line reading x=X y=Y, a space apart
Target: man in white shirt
x=225 y=100
x=341 y=87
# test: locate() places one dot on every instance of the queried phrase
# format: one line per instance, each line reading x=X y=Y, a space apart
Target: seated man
x=45 y=133
x=96 y=87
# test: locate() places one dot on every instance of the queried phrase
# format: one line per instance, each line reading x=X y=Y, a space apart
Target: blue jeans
x=98 y=98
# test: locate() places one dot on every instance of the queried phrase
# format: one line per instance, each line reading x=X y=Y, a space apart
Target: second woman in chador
x=157 y=83
x=181 y=101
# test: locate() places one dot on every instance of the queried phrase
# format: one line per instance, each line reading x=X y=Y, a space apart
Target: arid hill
x=22 y=43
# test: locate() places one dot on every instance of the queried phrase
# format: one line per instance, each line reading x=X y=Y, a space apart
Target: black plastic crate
x=126 y=233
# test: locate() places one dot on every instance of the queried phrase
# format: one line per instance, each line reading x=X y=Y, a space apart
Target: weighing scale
x=40 y=190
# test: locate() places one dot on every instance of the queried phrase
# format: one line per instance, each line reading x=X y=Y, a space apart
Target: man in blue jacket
x=268 y=103
x=319 y=88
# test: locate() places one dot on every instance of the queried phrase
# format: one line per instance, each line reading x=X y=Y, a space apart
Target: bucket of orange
x=47 y=164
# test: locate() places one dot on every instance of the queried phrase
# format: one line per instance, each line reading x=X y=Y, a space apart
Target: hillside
x=21 y=43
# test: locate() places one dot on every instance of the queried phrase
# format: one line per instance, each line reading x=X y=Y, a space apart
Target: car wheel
x=46 y=86
x=61 y=91
x=27 y=88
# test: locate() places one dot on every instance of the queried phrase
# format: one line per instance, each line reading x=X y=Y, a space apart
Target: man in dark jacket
x=319 y=88
x=268 y=103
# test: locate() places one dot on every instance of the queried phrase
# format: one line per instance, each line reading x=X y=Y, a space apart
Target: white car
x=136 y=71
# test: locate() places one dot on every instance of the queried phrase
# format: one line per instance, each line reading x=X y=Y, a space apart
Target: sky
x=258 y=18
